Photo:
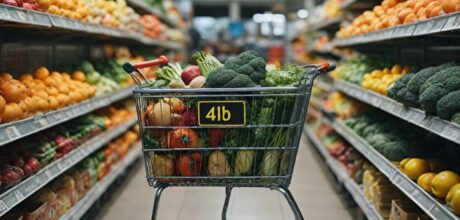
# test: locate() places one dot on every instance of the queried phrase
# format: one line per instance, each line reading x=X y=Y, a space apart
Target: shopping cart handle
x=129 y=67
x=326 y=67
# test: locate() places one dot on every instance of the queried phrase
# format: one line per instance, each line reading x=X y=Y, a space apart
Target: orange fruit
x=53 y=102
x=42 y=94
x=41 y=73
x=12 y=112
x=31 y=104
x=50 y=81
x=2 y=105
x=63 y=88
x=55 y=75
x=63 y=100
x=14 y=91
x=6 y=76
x=24 y=108
x=410 y=18
x=52 y=91
x=26 y=77
x=42 y=105
x=66 y=76
x=79 y=76
x=415 y=167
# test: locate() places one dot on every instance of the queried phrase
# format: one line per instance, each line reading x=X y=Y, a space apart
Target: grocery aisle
x=310 y=186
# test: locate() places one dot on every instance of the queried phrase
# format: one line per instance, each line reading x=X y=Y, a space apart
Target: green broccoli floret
x=248 y=63
x=219 y=77
x=430 y=98
x=398 y=85
x=240 y=81
x=395 y=151
x=226 y=78
x=407 y=98
x=456 y=118
x=437 y=86
x=420 y=77
x=448 y=105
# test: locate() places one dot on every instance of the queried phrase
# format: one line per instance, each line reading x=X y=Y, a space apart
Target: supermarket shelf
x=331 y=23
x=415 y=116
x=79 y=209
x=10 y=132
x=35 y=19
x=142 y=4
x=450 y=22
x=426 y=202
x=27 y=187
x=355 y=191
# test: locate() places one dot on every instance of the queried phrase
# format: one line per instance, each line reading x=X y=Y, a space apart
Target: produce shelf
x=10 y=132
x=48 y=22
x=324 y=85
x=443 y=128
x=331 y=23
x=27 y=187
x=355 y=191
x=141 y=4
x=425 y=201
x=444 y=23
x=79 y=209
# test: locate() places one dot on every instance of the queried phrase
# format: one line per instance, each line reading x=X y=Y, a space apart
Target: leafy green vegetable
x=226 y=78
x=288 y=75
x=206 y=62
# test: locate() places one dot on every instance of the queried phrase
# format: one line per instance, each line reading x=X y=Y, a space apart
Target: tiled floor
x=310 y=187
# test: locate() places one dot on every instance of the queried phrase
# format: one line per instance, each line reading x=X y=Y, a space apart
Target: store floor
x=310 y=187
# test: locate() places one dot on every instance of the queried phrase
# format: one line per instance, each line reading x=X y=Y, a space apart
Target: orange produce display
x=40 y=92
x=397 y=12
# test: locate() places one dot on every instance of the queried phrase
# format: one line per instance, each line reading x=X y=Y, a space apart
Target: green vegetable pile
x=245 y=70
x=354 y=69
x=436 y=90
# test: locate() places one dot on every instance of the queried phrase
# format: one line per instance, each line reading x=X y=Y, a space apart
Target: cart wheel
x=156 y=203
x=290 y=199
x=228 y=192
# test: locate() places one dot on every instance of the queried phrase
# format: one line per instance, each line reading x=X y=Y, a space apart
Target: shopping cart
x=237 y=137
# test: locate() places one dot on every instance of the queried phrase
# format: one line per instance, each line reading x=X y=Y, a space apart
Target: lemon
x=416 y=167
x=442 y=182
x=425 y=181
x=403 y=163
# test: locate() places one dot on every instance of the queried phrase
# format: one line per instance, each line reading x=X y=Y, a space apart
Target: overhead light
x=302 y=13
x=278 y=18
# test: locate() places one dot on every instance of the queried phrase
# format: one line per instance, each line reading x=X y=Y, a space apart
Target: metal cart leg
x=228 y=192
x=156 y=203
x=290 y=199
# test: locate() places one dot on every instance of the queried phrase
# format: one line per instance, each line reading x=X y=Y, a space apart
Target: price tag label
x=437 y=25
x=18 y=194
x=228 y=113
x=12 y=132
x=422 y=28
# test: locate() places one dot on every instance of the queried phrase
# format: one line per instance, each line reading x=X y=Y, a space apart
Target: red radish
x=190 y=73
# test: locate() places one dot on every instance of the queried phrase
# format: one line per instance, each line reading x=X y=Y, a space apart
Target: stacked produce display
x=394 y=96
x=109 y=13
x=64 y=117
x=58 y=197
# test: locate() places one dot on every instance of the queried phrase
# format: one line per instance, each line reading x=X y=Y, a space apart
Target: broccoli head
x=407 y=98
x=248 y=63
x=456 y=118
x=420 y=77
x=398 y=85
x=226 y=78
x=448 y=105
x=430 y=97
x=437 y=86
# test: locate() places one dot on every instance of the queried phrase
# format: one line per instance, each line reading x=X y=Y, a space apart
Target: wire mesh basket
x=233 y=137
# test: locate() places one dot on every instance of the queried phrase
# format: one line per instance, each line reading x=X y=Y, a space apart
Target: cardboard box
x=35 y=211
x=405 y=211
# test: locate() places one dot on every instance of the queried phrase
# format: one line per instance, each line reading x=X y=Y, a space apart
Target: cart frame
x=279 y=182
